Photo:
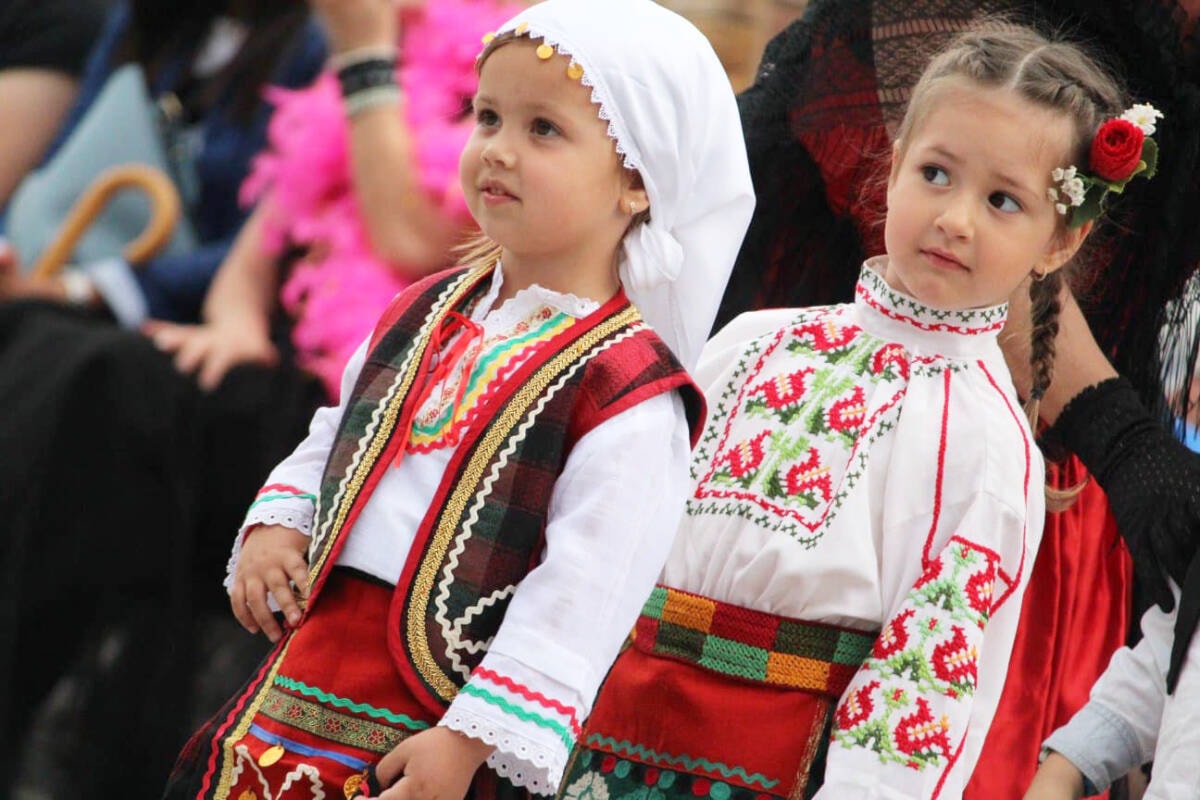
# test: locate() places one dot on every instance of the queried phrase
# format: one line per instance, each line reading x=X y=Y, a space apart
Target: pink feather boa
x=303 y=178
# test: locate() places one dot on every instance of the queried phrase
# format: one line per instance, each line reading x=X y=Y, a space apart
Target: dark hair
x=161 y=31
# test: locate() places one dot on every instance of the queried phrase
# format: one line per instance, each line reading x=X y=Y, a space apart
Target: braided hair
x=1053 y=74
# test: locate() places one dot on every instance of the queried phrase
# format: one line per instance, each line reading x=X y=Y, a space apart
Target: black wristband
x=367 y=74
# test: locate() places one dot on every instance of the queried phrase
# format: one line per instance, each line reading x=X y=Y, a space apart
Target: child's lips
x=941 y=258
x=495 y=192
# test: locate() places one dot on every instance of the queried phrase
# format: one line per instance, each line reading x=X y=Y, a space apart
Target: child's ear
x=634 y=198
x=1063 y=248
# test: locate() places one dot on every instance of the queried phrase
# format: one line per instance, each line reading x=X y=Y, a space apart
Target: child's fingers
x=281 y=589
x=256 y=599
x=297 y=570
x=241 y=612
x=390 y=771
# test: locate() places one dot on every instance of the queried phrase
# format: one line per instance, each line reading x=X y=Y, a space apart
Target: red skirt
x=325 y=705
x=714 y=701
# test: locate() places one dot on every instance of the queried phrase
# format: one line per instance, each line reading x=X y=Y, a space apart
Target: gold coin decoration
x=524 y=26
x=575 y=71
x=271 y=755
x=248 y=795
x=544 y=51
x=487 y=37
x=350 y=787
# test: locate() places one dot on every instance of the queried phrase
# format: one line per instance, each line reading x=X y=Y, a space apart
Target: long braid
x=1044 y=310
x=1045 y=307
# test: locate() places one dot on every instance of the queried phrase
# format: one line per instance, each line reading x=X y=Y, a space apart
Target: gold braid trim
x=390 y=407
x=464 y=489
x=239 y=731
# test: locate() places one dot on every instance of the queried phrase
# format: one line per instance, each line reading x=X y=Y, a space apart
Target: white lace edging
x=525 y=763
x=616 y=126
x=296 y=519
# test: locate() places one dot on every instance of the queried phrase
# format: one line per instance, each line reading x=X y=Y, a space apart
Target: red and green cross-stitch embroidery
x=907 y=703
x=795 y=422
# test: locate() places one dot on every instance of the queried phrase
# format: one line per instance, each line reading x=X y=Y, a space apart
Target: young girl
x=489 y=504
x=867 y=495
x=1135 y=715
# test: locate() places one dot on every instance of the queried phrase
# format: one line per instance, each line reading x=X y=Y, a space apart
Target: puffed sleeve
x=913 y=720
x=612 y=519
x=289 y=495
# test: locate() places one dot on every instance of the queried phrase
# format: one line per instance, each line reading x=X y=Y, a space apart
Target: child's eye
x=544 y=127
x=486 y=118
x=1004 y=202
x=935 y=175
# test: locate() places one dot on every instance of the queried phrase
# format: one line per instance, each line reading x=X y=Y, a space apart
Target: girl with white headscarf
x=488 y=507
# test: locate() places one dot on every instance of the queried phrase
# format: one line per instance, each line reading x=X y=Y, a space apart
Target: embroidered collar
x=519 y=305
x=897 y=316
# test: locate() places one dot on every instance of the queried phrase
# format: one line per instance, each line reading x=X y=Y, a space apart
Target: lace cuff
x=532 y=733
x=527 y=764
x=291 y=510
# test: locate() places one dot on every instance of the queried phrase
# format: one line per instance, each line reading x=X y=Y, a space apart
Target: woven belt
x=751 y=645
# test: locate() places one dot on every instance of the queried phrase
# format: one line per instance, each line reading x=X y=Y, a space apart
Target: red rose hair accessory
x=1121 y=150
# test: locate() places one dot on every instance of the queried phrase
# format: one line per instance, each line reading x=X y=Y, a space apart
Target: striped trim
x=350 y=705
x=269 y=497
x=751 y=645
x=522 y=714
x=530 y=695
x=321 y=721
x=306 y=750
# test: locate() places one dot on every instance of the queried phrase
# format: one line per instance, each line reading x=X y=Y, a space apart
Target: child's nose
x=957 y=217
x=497 y=151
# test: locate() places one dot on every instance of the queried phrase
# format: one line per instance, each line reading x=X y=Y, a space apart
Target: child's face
x=968 y=214
x=539 y=172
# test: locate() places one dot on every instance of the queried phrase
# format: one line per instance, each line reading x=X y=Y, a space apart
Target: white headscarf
x=672 y=113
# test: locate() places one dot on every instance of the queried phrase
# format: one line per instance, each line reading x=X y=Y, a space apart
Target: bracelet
x=77 y=287
x=366 y=75
x=365 y=99
x=340 y=61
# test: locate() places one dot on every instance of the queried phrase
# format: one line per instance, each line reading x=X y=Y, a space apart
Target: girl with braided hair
x=867 y=469
x=819 y=120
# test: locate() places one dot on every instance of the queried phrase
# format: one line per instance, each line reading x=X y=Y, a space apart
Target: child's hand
x=272 y=559
x=1056 y=779
x=437 y=764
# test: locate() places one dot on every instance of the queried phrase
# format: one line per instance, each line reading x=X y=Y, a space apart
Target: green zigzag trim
x=520 y=713
x=687 y=762
x=269 y=497
x=350 y=705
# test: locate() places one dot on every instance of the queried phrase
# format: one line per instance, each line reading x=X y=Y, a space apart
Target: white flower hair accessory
x=1121 y=150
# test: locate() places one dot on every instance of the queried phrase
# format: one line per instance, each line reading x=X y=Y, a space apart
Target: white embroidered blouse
x=869 y=465
x=613 y=513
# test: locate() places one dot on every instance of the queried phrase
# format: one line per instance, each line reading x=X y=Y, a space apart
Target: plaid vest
x=484 y=530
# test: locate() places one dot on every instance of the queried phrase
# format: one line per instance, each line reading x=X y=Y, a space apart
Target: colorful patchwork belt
x=751 y=645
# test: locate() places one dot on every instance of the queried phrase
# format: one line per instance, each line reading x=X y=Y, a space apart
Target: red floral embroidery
x=810 y=476
x=894 y=636
x=919 y=734
x=784 y=390
x=856 y=708
x=747 y=456
x=890 y=354
x=979 y=590
x=956 y=661
x=826 y=335
x=933 y=571
x=847 y=414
